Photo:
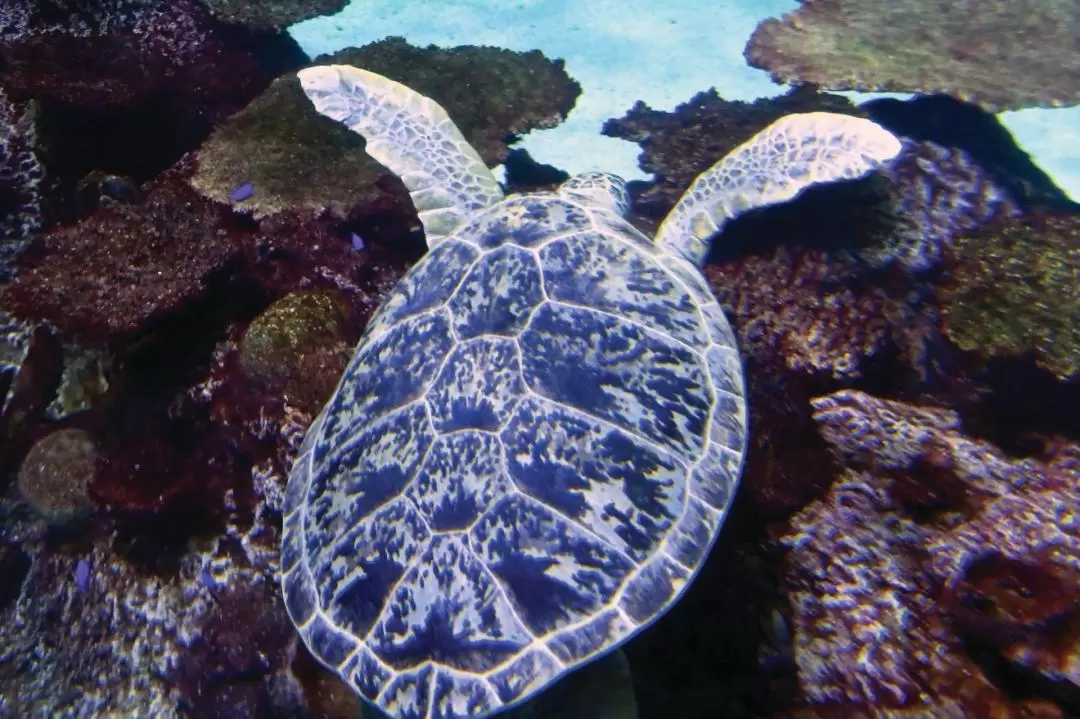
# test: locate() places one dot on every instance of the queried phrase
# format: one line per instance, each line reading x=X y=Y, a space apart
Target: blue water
x=622 y=51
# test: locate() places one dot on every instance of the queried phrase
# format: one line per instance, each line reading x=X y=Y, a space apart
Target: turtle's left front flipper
x=413 y=137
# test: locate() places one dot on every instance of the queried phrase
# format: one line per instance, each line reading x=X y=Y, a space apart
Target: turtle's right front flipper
x=774 y=166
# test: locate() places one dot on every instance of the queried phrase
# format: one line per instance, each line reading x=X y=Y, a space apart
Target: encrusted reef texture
x=127 y=265
x=1000 y=54
x=1015 y=288
x=940 y=193
x=929 y=543
x=927 y=573
x=272 y=14
x=21 y=175
x=298 y=160
x=117 y=52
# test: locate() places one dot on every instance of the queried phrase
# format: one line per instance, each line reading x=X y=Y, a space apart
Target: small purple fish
x=243 y=192
x=357 y=241
x=208 y=579
x=82 y=575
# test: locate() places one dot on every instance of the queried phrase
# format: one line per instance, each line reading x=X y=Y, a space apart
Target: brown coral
x=128 y=265
x=1015 y=288
x=1000 y=54
x=56 y=474
x=272 y=14
x=804 y=308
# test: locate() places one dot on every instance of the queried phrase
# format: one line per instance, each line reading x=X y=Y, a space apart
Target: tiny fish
x=82 y=575
x=243 y=192
x=208 y=580
x=357 y=241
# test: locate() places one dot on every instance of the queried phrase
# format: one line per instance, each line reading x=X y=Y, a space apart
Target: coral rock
x=20 y=181
x=891 y=587
x=972 y=51
x=121 y=52
x=940 y=193
x=56 y=474
x=272 y=14
x=123 y=268
x=293 y=158
x=1013 y=289
x=803 y=307
x=275 y=341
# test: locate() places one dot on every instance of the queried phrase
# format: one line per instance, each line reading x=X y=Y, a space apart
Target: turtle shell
x=526 y=462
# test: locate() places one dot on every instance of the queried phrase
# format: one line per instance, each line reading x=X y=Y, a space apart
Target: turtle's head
x=598 y=188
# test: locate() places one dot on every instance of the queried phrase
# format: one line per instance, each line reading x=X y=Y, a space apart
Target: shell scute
x=498 y=294
x=359 y=570
x=645 y=383
x=393 y=370
x=653 y=588
x=427 y=285
x=368 y=472
x=478 y=387
x=586 y=640
x=445 y=608
x=596 y=271
x=619 y=489
x=461 y=477
x=526 y=221
x=553 y=572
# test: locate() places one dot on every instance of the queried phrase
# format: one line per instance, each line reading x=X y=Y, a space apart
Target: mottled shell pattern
x=532 y=449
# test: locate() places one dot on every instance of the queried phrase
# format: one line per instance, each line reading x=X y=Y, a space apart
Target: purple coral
x=884 y=597
x=20 y=181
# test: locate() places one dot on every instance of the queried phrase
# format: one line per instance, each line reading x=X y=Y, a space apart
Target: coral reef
x=297 y=160
x=122 y=52
x=972 y=51
x=939 y=194
x=14 y=346
x=1012 y=289
x=928 y=538
x=272 y=14
x=808 y=312
x=294 y=160
x=807 y=322
x=21 y=175
x=290 y=327
x=128 y=639
x=191 y=253
x=126 y=266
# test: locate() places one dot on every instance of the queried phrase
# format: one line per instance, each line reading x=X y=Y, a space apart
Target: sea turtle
x=538 y=437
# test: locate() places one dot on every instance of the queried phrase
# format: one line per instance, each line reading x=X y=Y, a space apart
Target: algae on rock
x=298 y=322
x=1015 y=289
